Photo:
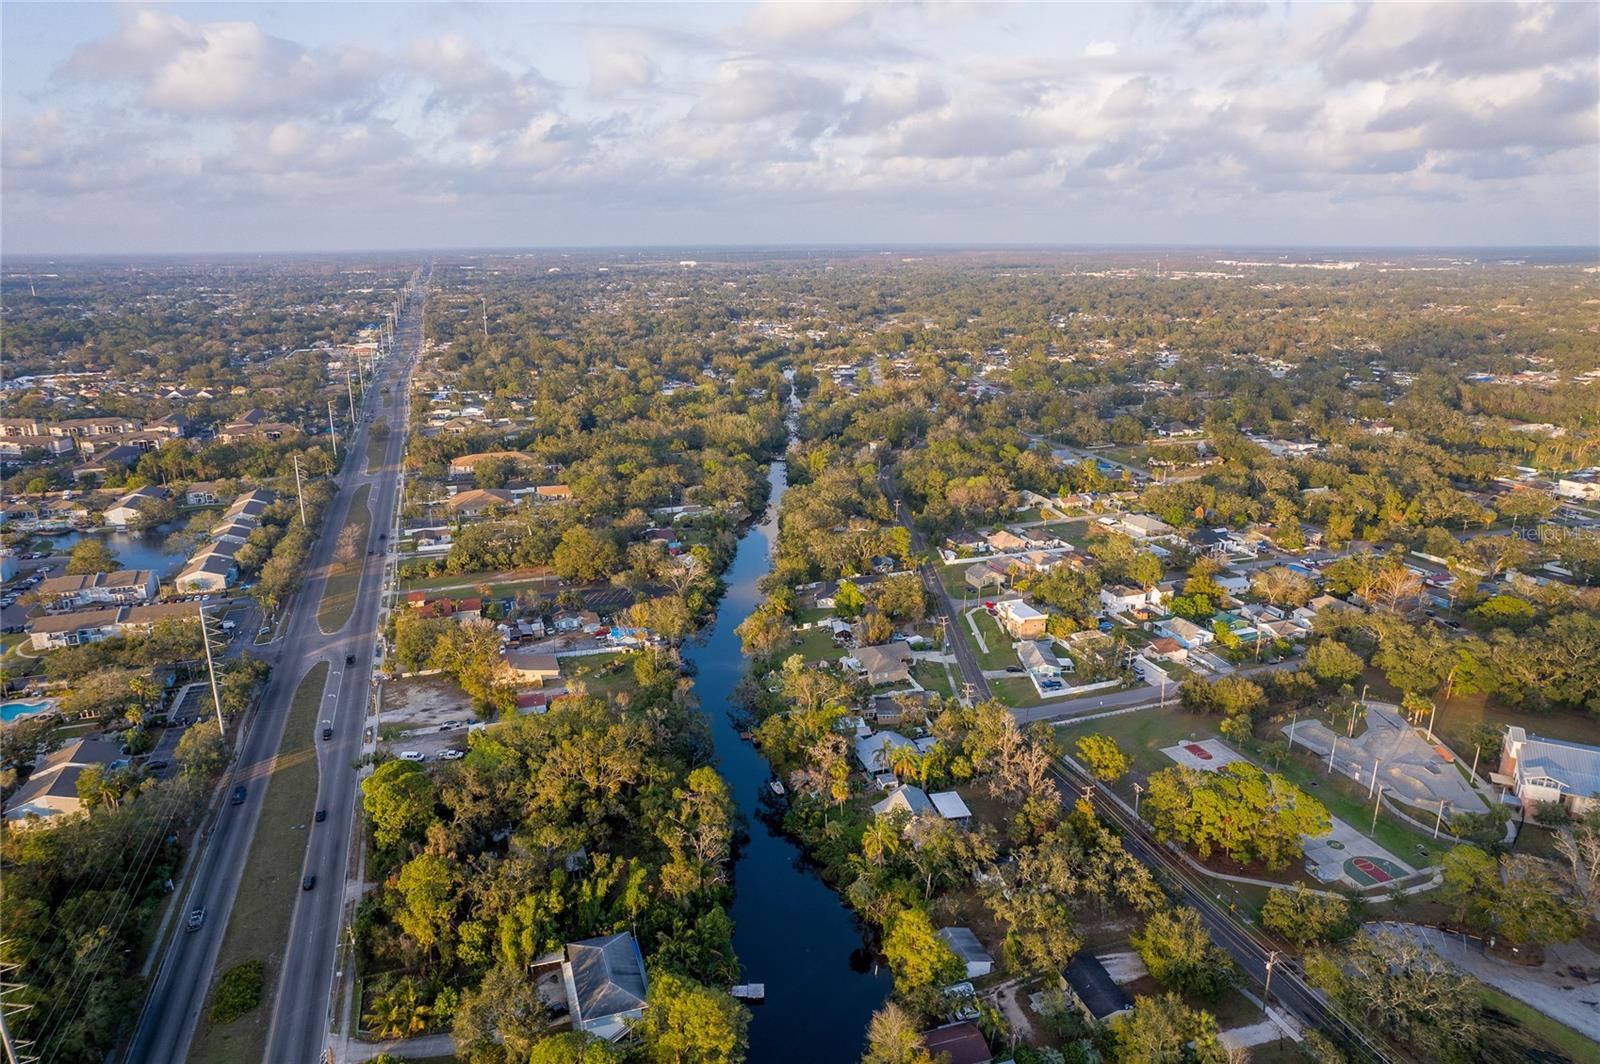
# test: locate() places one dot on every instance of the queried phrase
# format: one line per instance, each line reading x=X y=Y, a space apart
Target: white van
x=412 y=755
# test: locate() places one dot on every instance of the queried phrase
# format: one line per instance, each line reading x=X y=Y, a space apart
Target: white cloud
x=1100 y=49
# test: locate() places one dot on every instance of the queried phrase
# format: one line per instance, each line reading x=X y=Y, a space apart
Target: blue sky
x=213 y=127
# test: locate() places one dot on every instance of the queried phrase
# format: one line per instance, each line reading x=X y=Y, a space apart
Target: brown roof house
x=889 y=663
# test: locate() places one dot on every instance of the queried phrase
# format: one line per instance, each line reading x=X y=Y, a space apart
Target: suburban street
x=178 y=993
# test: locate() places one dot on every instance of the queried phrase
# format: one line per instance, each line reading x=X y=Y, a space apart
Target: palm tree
x=398 y=1013
x=904 y=761
x=881 y=840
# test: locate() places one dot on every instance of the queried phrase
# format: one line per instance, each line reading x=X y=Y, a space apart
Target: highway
x=300 y=1018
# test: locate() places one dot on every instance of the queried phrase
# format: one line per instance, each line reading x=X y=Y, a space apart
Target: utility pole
x=1432 y=713
x=1377 y=802
x=211 y=668
x=333 y=432
x=1331 y=751
x=350 y=392
x=1137 y=791
x=1374 y=785
x=298 y=492
x=1440 y=821
x=1266 y=991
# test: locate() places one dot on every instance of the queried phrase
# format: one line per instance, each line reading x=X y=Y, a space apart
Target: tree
x=1304 y=917
x=1104 y=757
x=848 y=601
x=506 y=1012
x=1163 y=1030
x=1248 y=814
x=1279 y=585
x=91 y=556
x=399 y=799
x=585 y=555
x=686 y=1023
x=1333 y=663
x=1179 y=953
x=427 y=887
x=238 y=991
x=918 y=956
x=575 y=1047
x=398 y=1012
x=1406 y=991
x=1520 y=898
x=1503 y=611
x=894 y=1037
x=1144 y=569
x=202 y=752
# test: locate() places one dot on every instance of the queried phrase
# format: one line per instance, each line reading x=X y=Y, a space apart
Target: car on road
x=238 y=795
x=322 y=814
x=327 y=733
x=308 y=882
x=412 y=755
x=451 y=755
x=349 y=660
x=155 y=766
x=197 y=920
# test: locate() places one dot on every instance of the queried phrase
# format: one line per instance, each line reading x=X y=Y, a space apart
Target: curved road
x=300 y=1022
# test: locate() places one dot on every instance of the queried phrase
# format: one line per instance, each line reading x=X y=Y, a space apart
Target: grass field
x=1142 y=735
x=591 y=671
x=339 y=596
x=932 y=675
x=1000 y=654
x=377 y=444
x=259 y=924
x=1540 y=1027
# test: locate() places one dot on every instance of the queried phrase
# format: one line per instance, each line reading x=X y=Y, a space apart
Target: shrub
x=238 y=991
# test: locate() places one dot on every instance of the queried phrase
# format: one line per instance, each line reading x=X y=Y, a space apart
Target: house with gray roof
x=964 y=944
x=1549 y=770
x=905 y=799
x=605 y=983
x=52 y=790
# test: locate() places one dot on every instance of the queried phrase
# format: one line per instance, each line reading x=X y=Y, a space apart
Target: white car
x=452 y=755
x=412 y=755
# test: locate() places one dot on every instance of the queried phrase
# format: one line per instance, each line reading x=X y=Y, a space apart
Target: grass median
x=344 y=577
x=377 y=445
x=258 y=928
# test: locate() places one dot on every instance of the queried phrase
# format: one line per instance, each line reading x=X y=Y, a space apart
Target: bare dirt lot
x=415 y=708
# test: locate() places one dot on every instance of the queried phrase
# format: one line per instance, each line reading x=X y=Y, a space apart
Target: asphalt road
x=167 y=1024
x=302 y=1008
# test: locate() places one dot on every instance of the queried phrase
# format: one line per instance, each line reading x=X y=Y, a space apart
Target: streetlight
x=1137 y=791
x=1266 y=990
x=1375 y=805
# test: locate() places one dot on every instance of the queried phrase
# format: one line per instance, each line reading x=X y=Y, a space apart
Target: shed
x=964 y=944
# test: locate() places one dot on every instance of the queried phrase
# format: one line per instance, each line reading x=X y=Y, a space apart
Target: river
x=791 y=931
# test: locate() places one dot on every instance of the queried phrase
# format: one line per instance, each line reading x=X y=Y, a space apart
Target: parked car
x=451 y=755
x=196 y=920
x=412 y=755
x=155 y=766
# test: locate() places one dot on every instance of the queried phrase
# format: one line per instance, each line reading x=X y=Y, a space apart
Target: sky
x=130 y=127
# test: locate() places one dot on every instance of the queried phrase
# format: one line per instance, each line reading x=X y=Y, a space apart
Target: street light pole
x=1440 y=820
x=301 y=495
x=1266 y=990
x=1137 y=792
x=333 y=432
x=1375 y=805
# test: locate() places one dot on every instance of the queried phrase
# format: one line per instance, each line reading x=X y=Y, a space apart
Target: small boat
x=750 y=991
x=747 y=735
x=776 y=787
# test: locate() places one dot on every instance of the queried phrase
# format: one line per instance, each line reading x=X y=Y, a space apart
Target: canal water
x=791 y=931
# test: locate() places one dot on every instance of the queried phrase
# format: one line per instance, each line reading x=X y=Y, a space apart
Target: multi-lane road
x=300 y=1017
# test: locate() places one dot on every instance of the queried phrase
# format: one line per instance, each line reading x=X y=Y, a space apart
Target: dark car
x=197 y=919
x=1013 y=668
x=322 y=814
x=383 y=535
x=327 y=733
x=156 y=766
x=308 y=882
x=238 y=795
x=349 y=659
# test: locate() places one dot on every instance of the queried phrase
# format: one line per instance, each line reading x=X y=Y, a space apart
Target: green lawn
x=592 y=671
x=1142 y=735
x=510 y=581
x=1000 y=655
x=811 y=615
x=344 y=578
x=815 y=644
x=1017 y=692
x=259 y=924
x=932 y=675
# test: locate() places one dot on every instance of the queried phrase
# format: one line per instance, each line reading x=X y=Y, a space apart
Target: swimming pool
x=12 y=711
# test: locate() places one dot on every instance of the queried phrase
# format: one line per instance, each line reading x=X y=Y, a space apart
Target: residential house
x=1165 y=649
x=1144 y=526
x=1549 y=770
x=875 y=752
x=467 y=464
x=528 y=667
x=987 y=576
x=88 y=589
x=964 y=944
x=1187 y=634
x=904 y=799
x=1094 y=988
x=210 y=571
x=967 y=543
x=51 y=793
x=605 y=983
x=552 y=493
x=478 y=500
x=202 y=493
x=957 y=1043
x=1037 y=659
x=1120 y=598
x=128 y=509
x=73 y=629
x=1020 y=619
x=889 y=663
x=1005 y=541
